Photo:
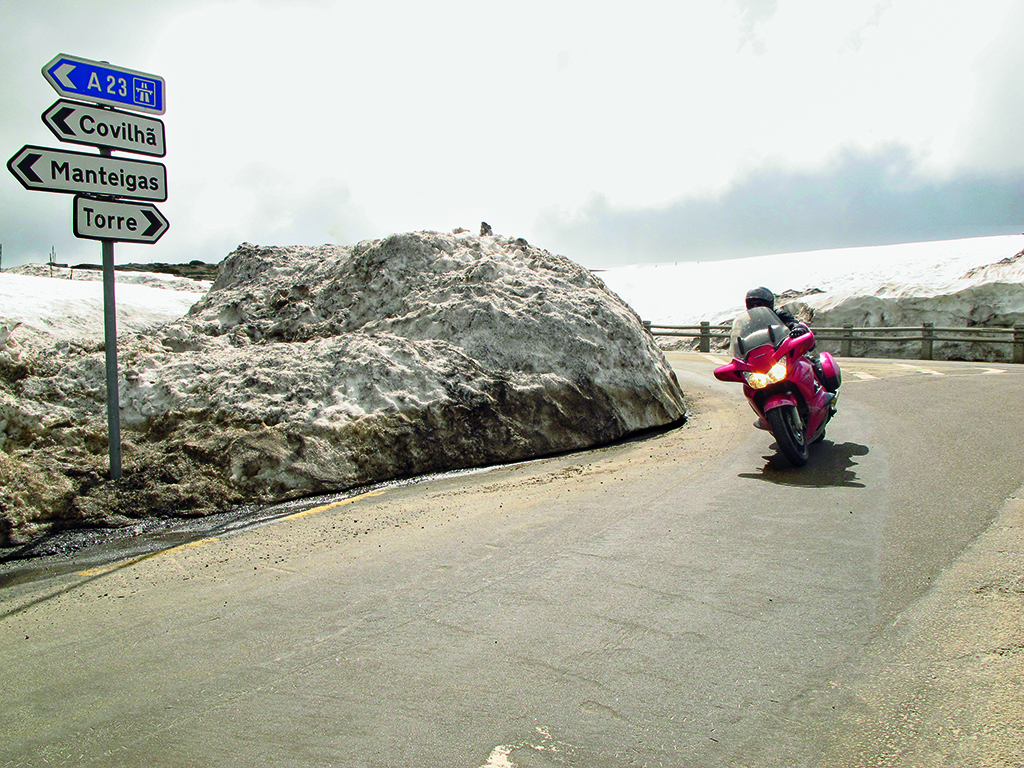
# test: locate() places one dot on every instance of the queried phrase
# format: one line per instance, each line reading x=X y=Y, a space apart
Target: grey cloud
x=860 y=199
x=285 y=215
x=856 y=38
x=755 y=13
x=991 y=136
x=27 y=230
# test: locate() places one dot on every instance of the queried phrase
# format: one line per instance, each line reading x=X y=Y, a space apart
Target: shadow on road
x=831 y=465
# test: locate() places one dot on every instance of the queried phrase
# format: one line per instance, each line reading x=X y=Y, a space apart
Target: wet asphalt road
x=671 y=601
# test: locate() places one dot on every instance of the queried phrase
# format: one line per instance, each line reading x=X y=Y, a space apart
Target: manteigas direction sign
x=56 y=170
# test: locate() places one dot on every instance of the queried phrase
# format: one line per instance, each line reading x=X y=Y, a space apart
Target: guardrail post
x=705 y=336
x=846 y=343
x=1018 y=343
x=927 y=339
x=647 y=325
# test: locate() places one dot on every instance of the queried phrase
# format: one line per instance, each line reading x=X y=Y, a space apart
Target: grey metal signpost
x=105 y=187
x=110 y=357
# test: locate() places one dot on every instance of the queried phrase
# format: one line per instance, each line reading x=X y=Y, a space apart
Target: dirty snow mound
x=309 y=370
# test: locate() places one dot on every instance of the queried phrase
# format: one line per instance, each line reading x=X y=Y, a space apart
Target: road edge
x=944 y=684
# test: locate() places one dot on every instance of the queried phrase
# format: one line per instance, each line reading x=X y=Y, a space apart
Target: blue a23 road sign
x=103 y=83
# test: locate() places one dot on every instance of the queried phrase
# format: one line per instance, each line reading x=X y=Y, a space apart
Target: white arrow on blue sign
x=103 y=83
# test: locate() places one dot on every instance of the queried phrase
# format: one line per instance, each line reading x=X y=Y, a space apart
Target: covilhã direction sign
x=104 y=127
x=55 y=170
x=118 y=220
x=103 y=83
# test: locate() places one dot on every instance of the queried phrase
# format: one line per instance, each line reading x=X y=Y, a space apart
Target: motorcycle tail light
x=775 y=374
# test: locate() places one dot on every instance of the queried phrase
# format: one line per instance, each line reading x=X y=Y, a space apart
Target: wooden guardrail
x=848 y=336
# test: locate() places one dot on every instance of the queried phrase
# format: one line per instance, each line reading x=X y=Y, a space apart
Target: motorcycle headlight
x=761 y=380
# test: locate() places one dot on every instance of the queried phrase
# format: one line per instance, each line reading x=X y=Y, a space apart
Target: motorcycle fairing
x=832 y=374
x=758 y=341
x=755 y=328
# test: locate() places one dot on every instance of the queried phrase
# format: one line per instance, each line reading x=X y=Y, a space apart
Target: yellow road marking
x=333 y=505
x=114 y=566
x=109 y=568
x=123 y=563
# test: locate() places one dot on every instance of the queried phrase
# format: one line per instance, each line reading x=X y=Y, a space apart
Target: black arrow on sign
x=155 y=223
x=25 y=166
x=60 y=119
x=123 y=131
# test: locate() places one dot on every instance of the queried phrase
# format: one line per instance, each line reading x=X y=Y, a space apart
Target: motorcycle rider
x=762 y=297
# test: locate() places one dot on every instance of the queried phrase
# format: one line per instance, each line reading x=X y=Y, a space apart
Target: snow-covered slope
x=60 y=307
x=688 y=292
x=956 y=283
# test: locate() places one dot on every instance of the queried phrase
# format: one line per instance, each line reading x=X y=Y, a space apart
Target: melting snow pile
x=310 y=370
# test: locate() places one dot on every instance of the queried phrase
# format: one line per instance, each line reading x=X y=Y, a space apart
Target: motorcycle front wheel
x=788 y=429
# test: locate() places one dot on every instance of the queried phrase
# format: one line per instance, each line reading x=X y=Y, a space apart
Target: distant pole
x=110 y=344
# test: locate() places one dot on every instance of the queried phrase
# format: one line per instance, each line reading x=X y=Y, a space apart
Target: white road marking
x=862 y=375
x=501 y=755
x=919 y=369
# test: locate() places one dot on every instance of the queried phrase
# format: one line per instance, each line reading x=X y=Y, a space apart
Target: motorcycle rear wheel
x=787 y=428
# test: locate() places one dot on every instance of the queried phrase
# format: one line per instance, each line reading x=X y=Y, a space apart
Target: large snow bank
x=954 y=283
x=310 y=370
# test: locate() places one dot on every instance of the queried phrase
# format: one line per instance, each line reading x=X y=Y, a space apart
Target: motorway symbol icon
x=56 y=170
x=103 y=83
x=103 y=127
x=118 y=220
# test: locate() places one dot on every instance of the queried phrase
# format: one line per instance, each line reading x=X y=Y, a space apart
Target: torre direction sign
x=113 y=195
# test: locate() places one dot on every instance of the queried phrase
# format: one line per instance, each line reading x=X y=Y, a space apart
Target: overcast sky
x=612 y=132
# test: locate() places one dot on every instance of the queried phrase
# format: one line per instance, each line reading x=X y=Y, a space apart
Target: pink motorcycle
x=791 y=400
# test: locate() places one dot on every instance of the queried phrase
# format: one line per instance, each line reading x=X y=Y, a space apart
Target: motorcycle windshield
x=755 y=328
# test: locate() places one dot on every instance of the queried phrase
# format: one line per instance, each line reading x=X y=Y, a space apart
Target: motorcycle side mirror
x=728 y=373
